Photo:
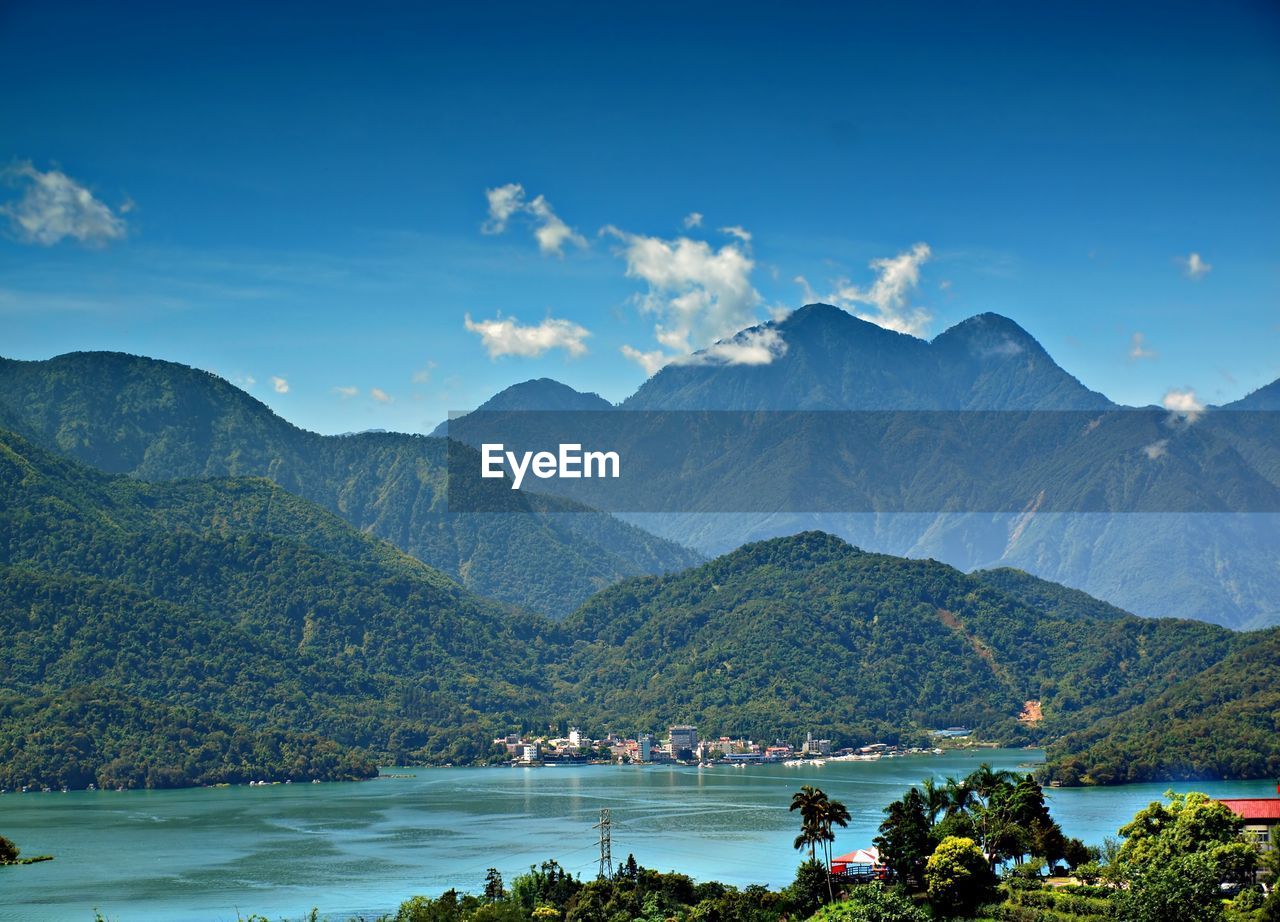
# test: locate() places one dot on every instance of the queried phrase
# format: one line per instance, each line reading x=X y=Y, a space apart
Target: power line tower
x=606 y=844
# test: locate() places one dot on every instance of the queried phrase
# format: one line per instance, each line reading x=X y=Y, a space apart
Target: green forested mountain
x=232 y=605
x=161 y=421
x=224 y=629
x=95 y=734
x=809 y=633
x=1221 y=723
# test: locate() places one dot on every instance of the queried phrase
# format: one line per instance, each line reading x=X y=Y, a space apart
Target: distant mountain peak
x=544 y=394
x=537 y=394
x=990 y=335
x=1266 y=397
x=819 y=314
x=837 y=361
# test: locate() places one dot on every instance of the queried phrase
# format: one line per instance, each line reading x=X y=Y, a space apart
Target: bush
x=808 y=892
x=872 y=903
x=8 y=851
x=957 y=876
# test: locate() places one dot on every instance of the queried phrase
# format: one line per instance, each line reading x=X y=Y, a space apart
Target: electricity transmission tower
x=606 y=845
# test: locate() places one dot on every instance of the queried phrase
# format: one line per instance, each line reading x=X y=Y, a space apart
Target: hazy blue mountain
x=536 y=394
x=159 y=420
x=835 y=361
x=1155 y=560
x=1266 y=397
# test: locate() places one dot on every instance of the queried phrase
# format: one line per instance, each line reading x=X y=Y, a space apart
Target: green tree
x=808 y=892
x=957 y=876
x=905 y=841
x=1185 y=888
x=1191 y=824
x=8 y=851
x=493 y=886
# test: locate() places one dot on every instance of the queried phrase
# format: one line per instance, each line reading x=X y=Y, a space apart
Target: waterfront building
x=683 y=737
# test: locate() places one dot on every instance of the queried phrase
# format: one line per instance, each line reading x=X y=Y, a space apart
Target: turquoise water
x=361 y=848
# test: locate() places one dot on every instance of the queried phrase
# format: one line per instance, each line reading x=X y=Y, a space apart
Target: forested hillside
x=161 y=421
x=810 y=633
x=1222 y=723
x=238 y=600
x=224 y=630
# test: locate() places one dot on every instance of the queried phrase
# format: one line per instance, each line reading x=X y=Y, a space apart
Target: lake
x=361 y=848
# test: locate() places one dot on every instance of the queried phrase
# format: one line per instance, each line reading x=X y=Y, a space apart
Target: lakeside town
x=682 y=745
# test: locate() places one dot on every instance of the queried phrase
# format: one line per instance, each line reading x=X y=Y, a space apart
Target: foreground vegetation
x=945 y=845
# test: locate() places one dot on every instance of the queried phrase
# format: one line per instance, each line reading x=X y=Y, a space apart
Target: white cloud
x=423 y=375
x=692 y=219
x=736 y=230
x=699 y=294
x=551 y=232
x=506 y=336
x=54 y=206
x=1138 y=348
x=808 y=295
x=652 y=362
x=346 y=393
x=380 y=395
x=1195 y=267
x=1182 y=404
x=505 y=202
x=758 y=346
x=1156 y=449
x=888 y=296
x=280 y=385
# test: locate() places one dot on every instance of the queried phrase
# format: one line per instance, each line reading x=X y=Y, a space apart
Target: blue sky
x=297 y=196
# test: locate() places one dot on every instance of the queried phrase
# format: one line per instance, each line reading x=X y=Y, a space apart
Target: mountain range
x=835 y=361
x=1165 y=526
x=158 y=420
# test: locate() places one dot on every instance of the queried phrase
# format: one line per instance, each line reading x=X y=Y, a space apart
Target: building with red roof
x=1261 y=817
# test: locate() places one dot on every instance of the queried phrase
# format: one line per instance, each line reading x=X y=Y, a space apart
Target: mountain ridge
x=156 y=420
x=836 y=361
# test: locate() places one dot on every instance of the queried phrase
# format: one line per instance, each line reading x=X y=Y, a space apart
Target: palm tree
x=957 y=795
x=936 y=799
x=811 y=803
x=833 y=813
